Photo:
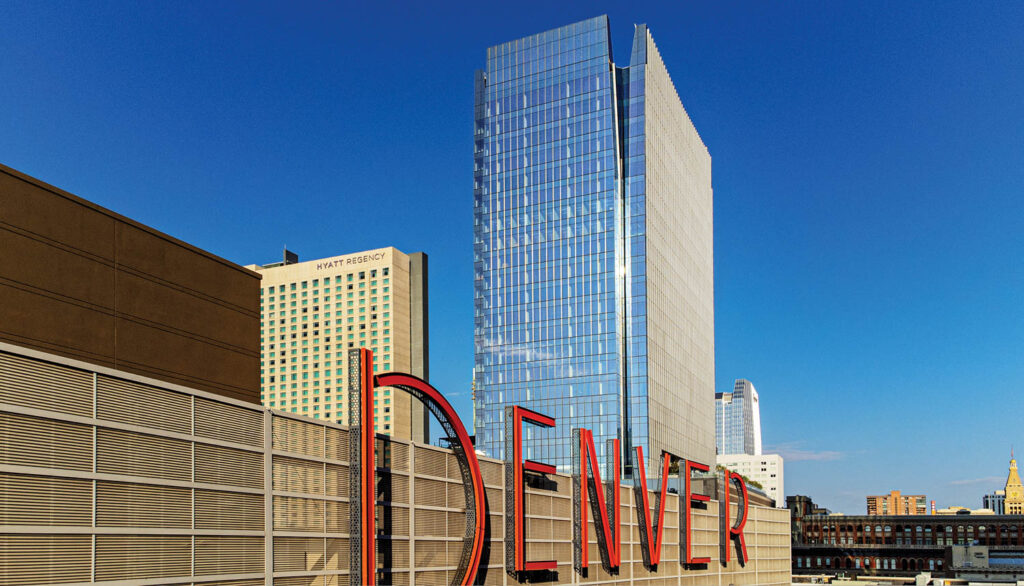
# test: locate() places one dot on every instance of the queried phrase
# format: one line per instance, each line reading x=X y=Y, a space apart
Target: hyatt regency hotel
x=314 y=311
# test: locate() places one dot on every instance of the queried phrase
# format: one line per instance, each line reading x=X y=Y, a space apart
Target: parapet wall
x=108 y=476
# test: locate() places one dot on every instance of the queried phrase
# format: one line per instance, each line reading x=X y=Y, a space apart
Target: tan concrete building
x=895 y=503
x=314 y=311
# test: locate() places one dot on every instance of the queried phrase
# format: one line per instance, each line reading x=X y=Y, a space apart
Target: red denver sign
x=588 y=488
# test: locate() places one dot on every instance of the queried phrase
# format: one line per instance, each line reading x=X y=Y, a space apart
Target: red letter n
x=587 y=486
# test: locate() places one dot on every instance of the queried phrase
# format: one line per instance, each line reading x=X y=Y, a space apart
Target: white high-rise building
x=738 y=420
x=764 y=469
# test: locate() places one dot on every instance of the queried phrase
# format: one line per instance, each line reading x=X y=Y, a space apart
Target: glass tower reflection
x=560 y=239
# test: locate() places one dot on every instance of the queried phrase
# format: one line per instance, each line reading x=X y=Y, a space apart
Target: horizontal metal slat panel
x=393 y=488
x=452 y=465
x=134 y=557
x=456 y=524
x=457 y=496
x=338 y=553
x=337 y=480
x=291 y=435
x=33 y=383
x=430 y=523
x=226 y=510
x=430 y=462
x=432 y=578
x=337 y=444
x=228 y=555
x=218 y=465
x=139 y=404
x=312 y=581
x=136 y=454
x=258 y=582
x=44 y=500
x=45 y=559
x=33 y=441
x=493 y=473
x=228 y=466
x=394 y=520
x=431 y=493
x=298 y=554
x=337 y=517
x=430 y=554
x=298 y=514
x=229 y=423
x=393 y=455
x=395 y=552
x=123 y=504
x=294 y=475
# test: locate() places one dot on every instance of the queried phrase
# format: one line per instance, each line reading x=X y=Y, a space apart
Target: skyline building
x=312 y=312
x=995 y=501
x=738 y=420
x=765 y=469
x=1014 y=492
x=593 y=249
x=898 y=504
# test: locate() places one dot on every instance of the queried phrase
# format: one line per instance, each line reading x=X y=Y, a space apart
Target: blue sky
x=868 y=168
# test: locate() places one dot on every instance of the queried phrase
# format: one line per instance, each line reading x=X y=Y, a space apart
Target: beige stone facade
x=314 y=311
x=680 y=273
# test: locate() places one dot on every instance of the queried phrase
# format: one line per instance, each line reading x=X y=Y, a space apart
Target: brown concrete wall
x=84 y=282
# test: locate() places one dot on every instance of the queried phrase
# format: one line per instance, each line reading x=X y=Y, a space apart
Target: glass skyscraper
x=738 y=420
x=593 y=255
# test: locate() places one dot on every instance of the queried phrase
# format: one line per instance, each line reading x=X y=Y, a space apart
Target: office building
x=738 y=420
x=86 y=283
x=594 y=285
x=996 y=502
x=895 y=503
x=314 y=311
x=764 y=469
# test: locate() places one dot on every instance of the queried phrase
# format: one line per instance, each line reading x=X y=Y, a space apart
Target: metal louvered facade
x=121 y=478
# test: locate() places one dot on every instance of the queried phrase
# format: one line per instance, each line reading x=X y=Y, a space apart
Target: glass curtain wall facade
x=738 y=420
x=561 y=251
